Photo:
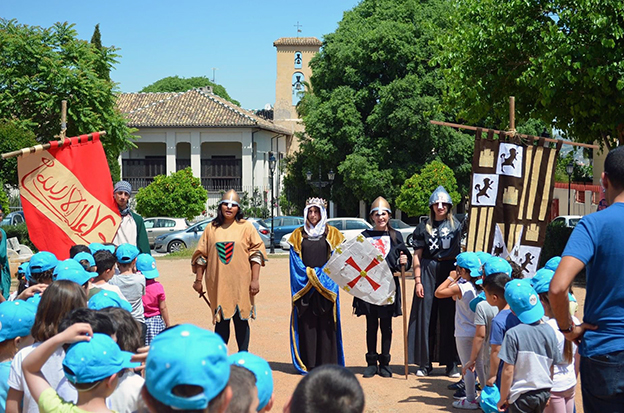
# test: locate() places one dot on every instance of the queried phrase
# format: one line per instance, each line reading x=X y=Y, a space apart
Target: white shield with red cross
x=360 y=269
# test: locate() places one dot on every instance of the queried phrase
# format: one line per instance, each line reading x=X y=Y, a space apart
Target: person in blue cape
x=315 y=332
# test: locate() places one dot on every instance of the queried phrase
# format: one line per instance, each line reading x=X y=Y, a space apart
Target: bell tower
x=293 y=69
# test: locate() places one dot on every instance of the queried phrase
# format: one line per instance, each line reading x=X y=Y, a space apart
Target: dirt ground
x=270 y=340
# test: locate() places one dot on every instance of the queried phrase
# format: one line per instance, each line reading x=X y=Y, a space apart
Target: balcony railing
x=221 y=184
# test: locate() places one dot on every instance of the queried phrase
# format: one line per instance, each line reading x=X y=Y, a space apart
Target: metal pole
x=569 y=184
x=272 y=248
x=320 y=181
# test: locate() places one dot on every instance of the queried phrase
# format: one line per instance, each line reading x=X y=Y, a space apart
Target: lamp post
x=272 y=161
x=569 y=171
x=320 y=183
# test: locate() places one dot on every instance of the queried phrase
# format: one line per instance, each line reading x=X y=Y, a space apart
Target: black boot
x=384 y=370
x=371 y=361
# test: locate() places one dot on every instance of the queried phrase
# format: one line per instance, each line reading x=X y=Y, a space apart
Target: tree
x=39 y=67
x=4 y=199
x=562 y=60
x=101 y=67
x=12 y=138
x=373 y=92
x=415 y=192
x=179 y=195
x=181 y=84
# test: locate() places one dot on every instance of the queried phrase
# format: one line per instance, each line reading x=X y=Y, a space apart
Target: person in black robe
x=390 y=243
x=431 y=334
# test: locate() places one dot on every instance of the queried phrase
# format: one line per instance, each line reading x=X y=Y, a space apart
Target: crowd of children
x=92 y=334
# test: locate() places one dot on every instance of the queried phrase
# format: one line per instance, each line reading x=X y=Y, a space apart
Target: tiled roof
x=193 y=108
x=297 y=41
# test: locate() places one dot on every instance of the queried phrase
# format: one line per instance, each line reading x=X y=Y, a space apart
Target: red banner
x=67 y=195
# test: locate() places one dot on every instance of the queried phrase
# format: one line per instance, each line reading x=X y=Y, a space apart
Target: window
x=149 y=223
x=297 y=87
x=17 y=219
x=355 y=224
x=337 y=224
x=298 y=60
x=167 y=223
x=290 y=221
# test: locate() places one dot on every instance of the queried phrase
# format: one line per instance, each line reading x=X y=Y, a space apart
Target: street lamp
x=272 y=162
x=320 y=183
x=569 y=171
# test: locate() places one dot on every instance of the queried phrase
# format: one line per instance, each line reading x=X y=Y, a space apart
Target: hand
x=198 y=286
x=254 y=287
x=576 y=335
x=76 y=332
x=469 y=366
x=502 y=405
x=30 y=291
x=420 y=291
x=140 y=357
x=403 y=259
x=491 y=382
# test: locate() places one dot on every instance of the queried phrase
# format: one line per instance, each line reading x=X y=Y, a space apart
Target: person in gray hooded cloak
x=431 y=331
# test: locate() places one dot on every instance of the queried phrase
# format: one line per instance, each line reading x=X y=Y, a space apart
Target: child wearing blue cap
x=17 y=318
x=529 y=352
x=92 y=365
x=244 y=391
x=193 y=377
x=263 y=377
x=105 y=263
x=468 y=268
x=130 y=282
x=154 y=300
x=42 y=266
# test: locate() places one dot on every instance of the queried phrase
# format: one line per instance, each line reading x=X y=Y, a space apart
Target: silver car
x=264 y=232
x=406 y=230
x=179 y=240
x=157 y=226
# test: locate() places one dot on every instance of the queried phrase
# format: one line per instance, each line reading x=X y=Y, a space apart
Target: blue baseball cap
x=85 y=256
x=16 y=319
x=469 y=261
x=523 y=301
x=96 y=359
x=261 y=369
x=23 y=269
x=186 y=355
x=495 y=265
x=147 y=265
x=126 y=253
x=96 y=246
x=553 y=263
x=490 y=396
x=477 y=300
x=541 y=280
x=42 y=261
x=72 y=270
x=106 y=298
x=483 y=256
x=34 y=300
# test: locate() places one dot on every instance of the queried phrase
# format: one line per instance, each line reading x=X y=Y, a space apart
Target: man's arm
x=506 y=379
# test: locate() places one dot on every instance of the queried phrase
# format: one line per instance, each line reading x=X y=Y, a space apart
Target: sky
x=190 y=37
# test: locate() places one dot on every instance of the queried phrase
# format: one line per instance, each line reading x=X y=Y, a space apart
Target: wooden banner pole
x=45 y=146
x=63 y=120
x=404 y=305
x=512 y=115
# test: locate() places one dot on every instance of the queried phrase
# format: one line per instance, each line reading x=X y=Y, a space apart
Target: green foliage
x=101 y=67
x=557 y=235
x=12 y=138
x=179 y=195
x=4 y=200
x=415 y=192
x=21 y=232
x=580 y=173
x=256 y=206
x=39 y=67
x=373 y=94
x=562 y=60
x=181 y=84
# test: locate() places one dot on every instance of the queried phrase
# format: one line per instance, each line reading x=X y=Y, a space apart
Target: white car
x=349 y=227
x=569 y=221
x=407 y=231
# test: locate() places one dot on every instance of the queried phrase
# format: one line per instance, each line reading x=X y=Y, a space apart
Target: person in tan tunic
x=228 y=258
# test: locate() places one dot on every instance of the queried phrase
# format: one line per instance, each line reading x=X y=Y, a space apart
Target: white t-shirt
x=52 y=371
x=127 y=231
x=110 y=287
x=464 y=317
x=564 y=377
x=127 y=396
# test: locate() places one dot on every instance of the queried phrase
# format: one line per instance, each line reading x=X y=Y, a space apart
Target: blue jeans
x=602 y=383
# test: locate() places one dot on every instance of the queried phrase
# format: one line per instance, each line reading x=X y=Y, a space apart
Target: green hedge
x=557 y=236
x=21 y=232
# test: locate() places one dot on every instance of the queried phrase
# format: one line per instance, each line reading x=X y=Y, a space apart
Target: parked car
x=157 y=226
x=265 y=233
x=569 y=221
x=178 y=240
x=407 y=231
x=13 y=218
x=349 y=227
x=281 y=226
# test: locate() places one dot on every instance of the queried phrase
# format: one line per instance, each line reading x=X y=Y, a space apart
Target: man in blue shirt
x=597 y=244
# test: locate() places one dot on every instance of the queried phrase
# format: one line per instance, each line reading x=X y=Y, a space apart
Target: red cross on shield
x=363 y=273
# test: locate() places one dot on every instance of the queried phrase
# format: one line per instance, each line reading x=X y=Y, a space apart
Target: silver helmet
x=440 y=196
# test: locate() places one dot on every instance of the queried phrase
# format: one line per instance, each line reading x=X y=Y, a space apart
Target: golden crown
x=316 y=201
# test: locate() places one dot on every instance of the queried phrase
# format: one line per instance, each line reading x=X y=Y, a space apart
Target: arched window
x=298 y=60
x=298 y=88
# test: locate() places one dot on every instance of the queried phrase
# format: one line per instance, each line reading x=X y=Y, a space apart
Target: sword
x=203 y=295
